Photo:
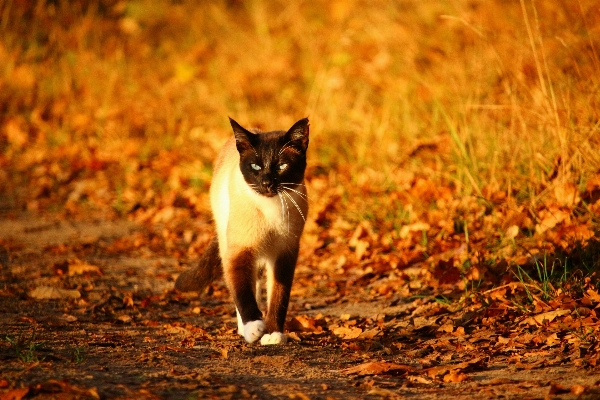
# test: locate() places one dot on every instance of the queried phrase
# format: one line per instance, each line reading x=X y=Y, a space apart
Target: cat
x=259 y=204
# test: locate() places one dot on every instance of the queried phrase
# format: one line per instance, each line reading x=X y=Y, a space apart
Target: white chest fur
x=270 y=208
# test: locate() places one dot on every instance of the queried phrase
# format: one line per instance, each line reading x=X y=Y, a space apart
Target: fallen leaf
x=378 y=368
x=52 y=293
x=384 y=393
x=553 y=340
x=124 y=318
x=69 y=318
x=466 y=366
x=593 y=295
x=578 y=389
x=424 y=322
x=567 y=194
x=347 y=333
x=446 y=273
x=369 y=334
x=556 y=388
x=549 y=316
x=455 y=376
x=512 y=232
x=302 y=323
x=14 y=394
x=78 y=267
x=420 y=379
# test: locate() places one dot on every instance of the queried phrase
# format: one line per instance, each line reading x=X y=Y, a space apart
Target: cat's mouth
x=268 y=192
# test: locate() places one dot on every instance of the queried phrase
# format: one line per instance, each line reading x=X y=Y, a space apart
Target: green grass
x=26 y=348
x=79 y=354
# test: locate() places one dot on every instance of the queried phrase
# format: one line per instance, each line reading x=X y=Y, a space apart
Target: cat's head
x=271 y=159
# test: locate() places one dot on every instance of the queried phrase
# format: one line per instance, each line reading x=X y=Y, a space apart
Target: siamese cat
x=259 y=204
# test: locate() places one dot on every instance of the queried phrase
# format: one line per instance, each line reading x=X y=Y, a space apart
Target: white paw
x=273 y=338
x=253 y=330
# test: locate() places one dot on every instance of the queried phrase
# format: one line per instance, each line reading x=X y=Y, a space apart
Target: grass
x=26 y=349
x=79 y=355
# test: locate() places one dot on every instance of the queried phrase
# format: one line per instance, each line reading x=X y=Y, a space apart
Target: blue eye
x=283 y=167
x=255 y=167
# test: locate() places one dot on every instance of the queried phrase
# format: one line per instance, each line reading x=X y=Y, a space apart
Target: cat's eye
x=283 y=167
x=255 y=167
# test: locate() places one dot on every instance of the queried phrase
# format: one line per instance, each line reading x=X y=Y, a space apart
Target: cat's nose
x=269 y=185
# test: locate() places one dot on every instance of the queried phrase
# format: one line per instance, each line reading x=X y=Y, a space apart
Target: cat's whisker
x=304 y=196
x=282 y=199
x=292 y=183
x=295 y=205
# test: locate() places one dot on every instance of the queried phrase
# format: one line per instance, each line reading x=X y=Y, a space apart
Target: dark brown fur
x=207 y=270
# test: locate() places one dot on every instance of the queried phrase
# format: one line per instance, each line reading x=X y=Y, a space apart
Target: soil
x=130 y=335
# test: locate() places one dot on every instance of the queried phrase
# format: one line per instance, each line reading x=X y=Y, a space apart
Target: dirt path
x=118 y=330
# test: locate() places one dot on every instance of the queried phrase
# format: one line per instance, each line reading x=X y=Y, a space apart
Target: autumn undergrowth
x=454 y=130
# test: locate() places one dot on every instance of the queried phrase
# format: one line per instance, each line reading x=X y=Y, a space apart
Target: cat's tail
x=207 y=270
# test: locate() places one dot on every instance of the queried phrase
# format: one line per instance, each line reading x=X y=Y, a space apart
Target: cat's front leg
x=240 y=276
x=279 y=285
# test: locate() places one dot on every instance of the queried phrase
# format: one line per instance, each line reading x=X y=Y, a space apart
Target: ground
x=126 y=333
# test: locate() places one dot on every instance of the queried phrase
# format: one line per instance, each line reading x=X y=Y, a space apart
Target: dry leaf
x=69 y=318
x=370 y=333
x=578 y=390
x=593 y=295
x=447 y=328
x=416 y=227
x=512 y=232
x=424 y=322
x=52 y=293
x=14 y=394
x=124 y=318
x=420 y=379
x=384 y=393
x=378 y=368
x=553 y=340
x=455 y=376
x=549 y=219
x=547 y=316
x=302 y=323
x=567 y=194
x=466 y=366
x=78 y=267
x=347 y=333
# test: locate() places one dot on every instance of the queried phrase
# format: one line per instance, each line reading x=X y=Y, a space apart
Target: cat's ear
x=244 y=139
x=298 y=134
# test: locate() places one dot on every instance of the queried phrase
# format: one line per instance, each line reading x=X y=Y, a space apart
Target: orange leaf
x=454 y=376
x=347 y=333
x=378 y=368
x=466 y=366
x=14 y=394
